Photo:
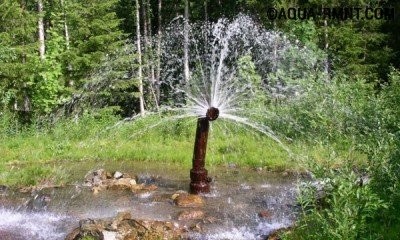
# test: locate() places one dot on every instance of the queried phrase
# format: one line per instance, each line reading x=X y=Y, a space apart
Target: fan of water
x=236 y=66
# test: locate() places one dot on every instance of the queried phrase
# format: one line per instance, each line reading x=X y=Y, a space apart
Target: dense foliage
x=79 y=36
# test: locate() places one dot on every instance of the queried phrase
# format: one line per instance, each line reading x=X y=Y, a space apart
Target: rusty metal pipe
x=198 y=174
x=212 y=113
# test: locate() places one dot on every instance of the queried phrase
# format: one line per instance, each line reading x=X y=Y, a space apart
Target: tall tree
x=68 y=69
x=93 y=33
x=159 y=39
x=149 y=51
x=139 y=52
x=18 y=56
x=42 y=46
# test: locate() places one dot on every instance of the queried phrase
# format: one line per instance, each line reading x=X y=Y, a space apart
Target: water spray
x=200 y=182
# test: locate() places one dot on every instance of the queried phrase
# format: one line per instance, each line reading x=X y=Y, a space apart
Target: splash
x=238 y=67
x=32 y=225
x=261 y=231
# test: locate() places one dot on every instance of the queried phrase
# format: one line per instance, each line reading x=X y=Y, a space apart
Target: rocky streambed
x=243 y=204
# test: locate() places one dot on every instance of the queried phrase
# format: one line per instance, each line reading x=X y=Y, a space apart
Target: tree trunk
x=275 y=54
x=26 y=106
x=148 y=49
x=326 y=64
x=42 y=47
x=145 y=34
x=70 y=81
x=66 y=32
x=139 y=50
x=186 y=71
x=151 y=55
x=159 y=37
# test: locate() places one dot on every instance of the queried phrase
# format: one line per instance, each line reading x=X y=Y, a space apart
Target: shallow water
x=236 y=199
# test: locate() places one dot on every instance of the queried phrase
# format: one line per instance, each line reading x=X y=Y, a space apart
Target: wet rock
x=96 y=181
x=107 y=235
x=177 y=193
x=89 y=228
x=96 y=178
x=74 y=235
x=148 y=179
x=100 y=180
x=143 y=188
x=131 y=236
x=122 y=183
x=92 y=227
x=96 y=189
x=102 y=174
x=276 y=235
x=189 y=200
x=151 y=187
x=196 y=227
x=122 y=216
x=118 y=175
x=265 y=214
x=191 y=215
x=39 y=201
x=123 y=226
x=79 y=233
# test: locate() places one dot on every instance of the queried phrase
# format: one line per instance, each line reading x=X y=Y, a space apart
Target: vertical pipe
x=198 y=174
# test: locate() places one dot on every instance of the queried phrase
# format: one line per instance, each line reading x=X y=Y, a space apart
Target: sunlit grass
x=35 y=155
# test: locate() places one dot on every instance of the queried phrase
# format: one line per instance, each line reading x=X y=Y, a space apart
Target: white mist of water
x=216 y=50
x=262 y=230
x=33 y=225
x=233 y=63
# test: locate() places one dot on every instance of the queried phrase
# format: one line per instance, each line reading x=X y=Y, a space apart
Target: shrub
x=338 y=206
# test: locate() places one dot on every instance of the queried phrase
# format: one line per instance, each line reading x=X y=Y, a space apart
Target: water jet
x=200 y=182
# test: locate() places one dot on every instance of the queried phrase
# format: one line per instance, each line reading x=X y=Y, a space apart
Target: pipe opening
x=212 y=113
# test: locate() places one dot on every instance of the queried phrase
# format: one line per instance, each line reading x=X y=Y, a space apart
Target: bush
x=325 y=110
x=350 y=209
x=338 y=206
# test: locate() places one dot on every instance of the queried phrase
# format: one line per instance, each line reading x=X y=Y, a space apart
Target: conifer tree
x=93 y=32
x=18 y=55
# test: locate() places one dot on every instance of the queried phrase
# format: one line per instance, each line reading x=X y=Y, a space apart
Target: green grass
x=31 y=156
